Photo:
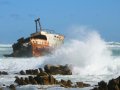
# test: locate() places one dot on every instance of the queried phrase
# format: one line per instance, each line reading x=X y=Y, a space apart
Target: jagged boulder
x=22 y=72
x=113 y=84
x=3 y=73
x=102 y=85
x=29 y=72
x=66 y=84
x=48 y=80
x=42 y=80
x=52 y=80
x=81 y=84
x=39 y=80
x=32 y=72
x=42 y=73
x=58 y=69
x=27 y=80
x=35 y=72
x=63 y=83
x=12 y=87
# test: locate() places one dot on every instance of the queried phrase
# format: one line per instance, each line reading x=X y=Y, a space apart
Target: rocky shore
x=113 y=84
x=46 y=77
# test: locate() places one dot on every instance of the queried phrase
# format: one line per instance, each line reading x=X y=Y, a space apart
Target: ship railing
x=48 y=30
x=51 y=31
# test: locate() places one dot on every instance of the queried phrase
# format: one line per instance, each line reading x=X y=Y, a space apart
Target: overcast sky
x=17 y=17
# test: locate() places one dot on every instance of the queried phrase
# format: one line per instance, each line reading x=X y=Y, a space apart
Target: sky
x=17 y=17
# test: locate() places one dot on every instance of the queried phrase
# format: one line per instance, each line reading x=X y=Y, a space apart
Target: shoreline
x=39 y=77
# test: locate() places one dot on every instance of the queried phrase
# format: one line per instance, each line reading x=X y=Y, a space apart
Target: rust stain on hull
x=39 y=47
x=38 y=44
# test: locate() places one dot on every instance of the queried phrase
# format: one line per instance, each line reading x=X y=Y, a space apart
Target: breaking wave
x=88 y=54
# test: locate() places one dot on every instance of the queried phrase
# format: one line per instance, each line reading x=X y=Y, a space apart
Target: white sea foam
x=86 y=52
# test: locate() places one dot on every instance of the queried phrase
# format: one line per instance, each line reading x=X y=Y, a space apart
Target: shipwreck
x=37 y=44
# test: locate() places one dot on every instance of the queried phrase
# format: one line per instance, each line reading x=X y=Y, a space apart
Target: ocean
x=91 y=58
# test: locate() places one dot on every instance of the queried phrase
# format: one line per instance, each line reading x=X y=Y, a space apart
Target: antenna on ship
x=37 y=21
x=39 y=24
x=36 y=26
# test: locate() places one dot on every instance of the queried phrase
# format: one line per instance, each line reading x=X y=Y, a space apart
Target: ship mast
x=37 y=22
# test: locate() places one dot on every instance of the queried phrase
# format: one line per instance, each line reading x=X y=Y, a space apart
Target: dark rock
x=39 y=80
x=30 y=79
x=32 y=72
x=102 y=85
x=47 y=68
x=42 y=73
x=12 y=87
x=22 y=81
x=79 y=84
x=41 y=70
x=17 y=80
x=69 y=83
x=63 y=83
x=58 y=69
x=86 y=85
x=4 y=73
x=66 y=84
x=34 y=82
x=22 y=72
x=35 y=72
x=27 y=80
x=29 y=72
x=52 y=80
x=3 y=84
x=113 y=84
x=46 y=80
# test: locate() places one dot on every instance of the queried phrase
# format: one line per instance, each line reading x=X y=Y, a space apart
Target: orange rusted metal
x=40 y=43
x=38 y=46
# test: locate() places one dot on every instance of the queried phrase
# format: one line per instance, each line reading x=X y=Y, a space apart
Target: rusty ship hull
x=38 y=44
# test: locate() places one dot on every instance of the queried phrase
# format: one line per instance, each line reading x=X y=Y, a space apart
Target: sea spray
x=85 y=51
x=88 y=54
x=13 y=65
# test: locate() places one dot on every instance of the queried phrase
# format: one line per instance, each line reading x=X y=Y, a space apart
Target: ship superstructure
x=39 y=43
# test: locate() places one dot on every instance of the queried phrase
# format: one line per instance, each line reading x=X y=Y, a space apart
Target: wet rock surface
x=58 y=69
x=113 y=84
x=49 y=69
x=3 y=73
x=45 y=77
x=48 y=80
x=12 y=87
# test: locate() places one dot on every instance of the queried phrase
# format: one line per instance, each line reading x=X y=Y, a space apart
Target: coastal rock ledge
x=58 y=69
x=45 y=77
x=49 y=69
x=113 y=84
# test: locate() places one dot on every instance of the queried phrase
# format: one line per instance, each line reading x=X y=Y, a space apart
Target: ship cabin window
x=40 y=37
